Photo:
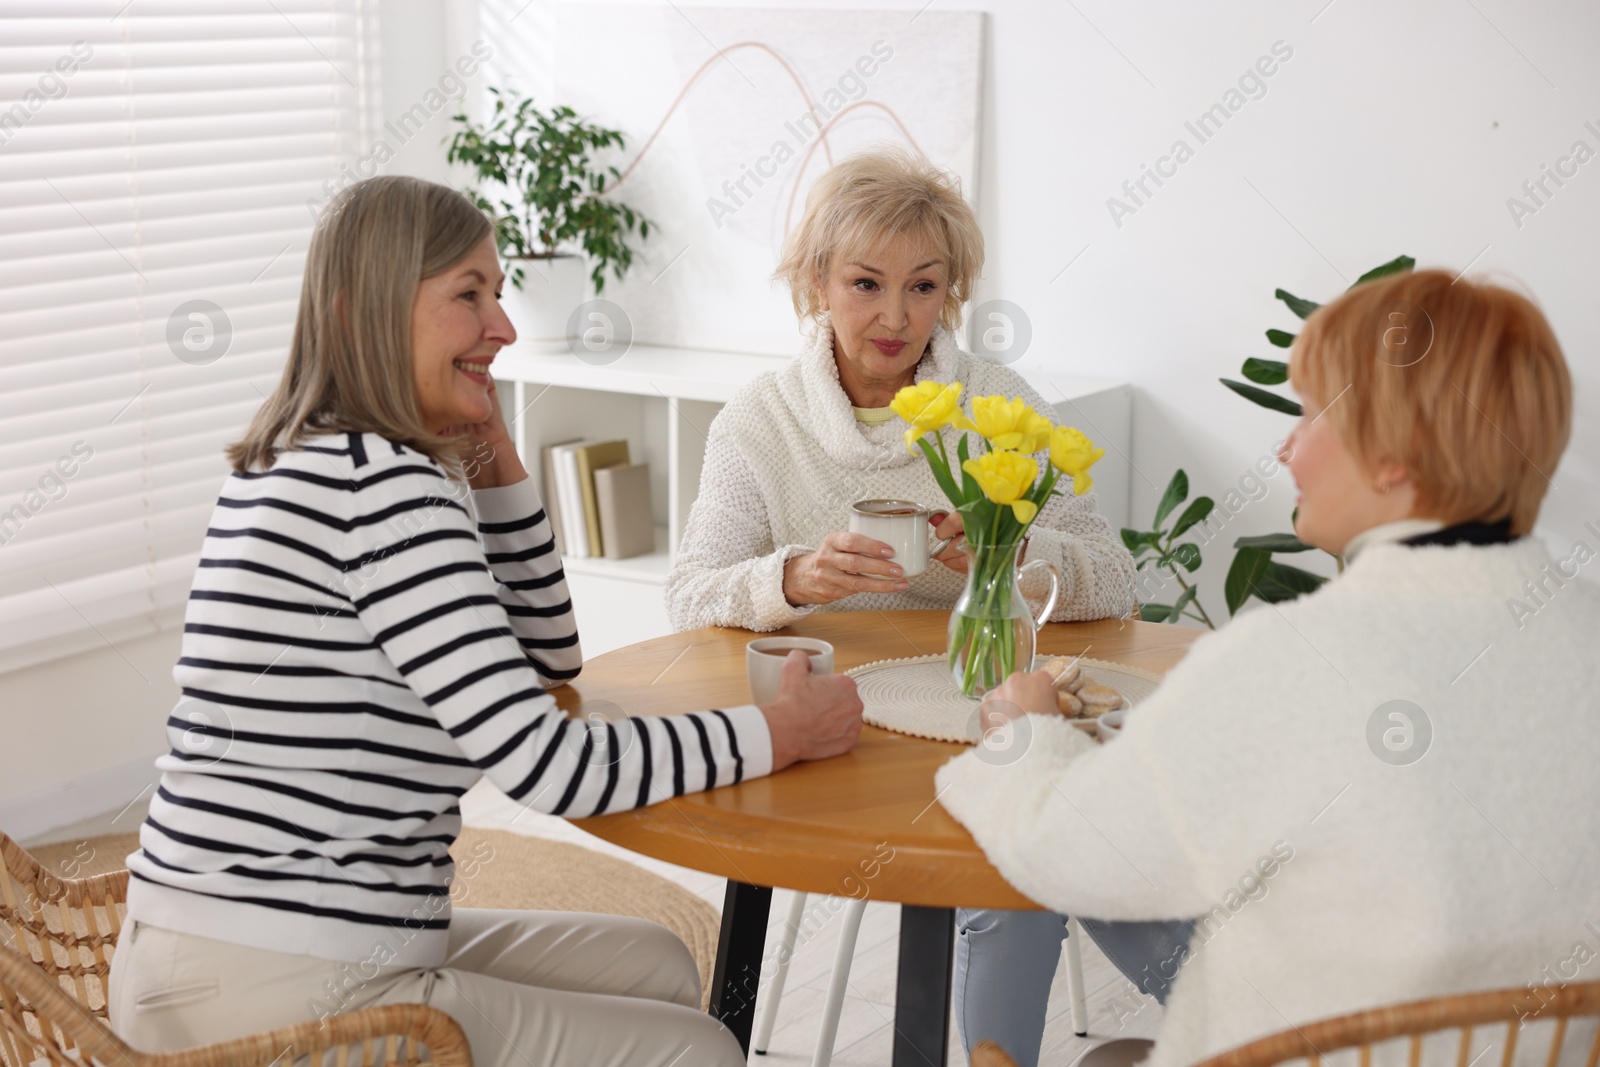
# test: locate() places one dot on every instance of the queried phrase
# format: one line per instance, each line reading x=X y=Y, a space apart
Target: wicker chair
x=67 y=927
x=56 y=944
x=1414 y=1021
x=1420 y=1018
x=40 y=1025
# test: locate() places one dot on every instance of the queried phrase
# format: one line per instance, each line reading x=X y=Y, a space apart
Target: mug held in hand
x=764 y=659
x=903 y=526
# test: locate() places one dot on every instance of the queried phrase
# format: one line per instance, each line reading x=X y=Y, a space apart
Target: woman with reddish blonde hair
x=1351 y=794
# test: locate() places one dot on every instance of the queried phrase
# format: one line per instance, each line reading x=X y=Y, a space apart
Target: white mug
x=764 y=659
x=903 y=526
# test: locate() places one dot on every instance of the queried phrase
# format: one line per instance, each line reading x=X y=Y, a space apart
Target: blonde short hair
x=870 y=198
x=349 y=366
x=1461 y=382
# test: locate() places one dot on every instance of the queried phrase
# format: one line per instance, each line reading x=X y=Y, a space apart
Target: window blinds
x=160 y=165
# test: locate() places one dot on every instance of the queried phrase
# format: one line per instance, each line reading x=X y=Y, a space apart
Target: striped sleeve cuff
x=507 y=506
x=755 y=740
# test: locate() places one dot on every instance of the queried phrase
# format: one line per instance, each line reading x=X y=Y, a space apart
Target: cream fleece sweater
x=1246 y=791
x=786 y=459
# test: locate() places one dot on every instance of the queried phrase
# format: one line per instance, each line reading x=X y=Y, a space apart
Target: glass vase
x=992 y=628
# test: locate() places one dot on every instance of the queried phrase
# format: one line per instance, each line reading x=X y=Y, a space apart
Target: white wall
x=1393 y=128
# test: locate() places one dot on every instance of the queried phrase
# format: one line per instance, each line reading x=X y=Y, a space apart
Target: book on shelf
x=593 y=457
x=549 y=493
x=571 y=497
x=622 y=496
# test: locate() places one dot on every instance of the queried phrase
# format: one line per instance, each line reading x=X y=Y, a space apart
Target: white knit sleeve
x=728 y=572
x=1202 y=787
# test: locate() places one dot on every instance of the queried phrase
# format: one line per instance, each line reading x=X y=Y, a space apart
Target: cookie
x=1064 y=671
x=1068 y=704
x=1099 y=699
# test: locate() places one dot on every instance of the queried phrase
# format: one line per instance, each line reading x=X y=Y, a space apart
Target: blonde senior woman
x=377 y=618
x=1384 y=790
x=879 y=270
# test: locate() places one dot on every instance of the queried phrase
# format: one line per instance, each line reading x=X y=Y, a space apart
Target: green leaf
x=1265 y=371
x=941 y=473
x=1132 y=540
x=1302 y=308
x=1248 y=565
x=1187 y=556
x=1397 y=265
x=1154 y=612
x=1196 y=512
x=1177 y=492
x=1281 y=338
x=1279 y=582
x=969 y=484
x=1183 y=601
x=1262 y=397
x=1275 y=542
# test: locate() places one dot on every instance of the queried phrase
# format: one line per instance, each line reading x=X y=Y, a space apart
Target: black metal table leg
x=739 y=948
x=922 y=992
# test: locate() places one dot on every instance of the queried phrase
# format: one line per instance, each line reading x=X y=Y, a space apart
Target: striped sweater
x=357 y=652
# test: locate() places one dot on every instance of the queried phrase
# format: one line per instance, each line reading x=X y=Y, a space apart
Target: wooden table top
x=828 y=826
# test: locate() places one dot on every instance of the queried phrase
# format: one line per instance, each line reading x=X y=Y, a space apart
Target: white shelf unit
x=662 y=401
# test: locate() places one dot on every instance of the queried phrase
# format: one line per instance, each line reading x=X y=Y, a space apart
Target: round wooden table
x=827 y=826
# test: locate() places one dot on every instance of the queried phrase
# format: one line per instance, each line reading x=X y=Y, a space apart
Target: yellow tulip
x=928 y=406
x=1005 y=477
x=1073 y=453
x=1012 y=425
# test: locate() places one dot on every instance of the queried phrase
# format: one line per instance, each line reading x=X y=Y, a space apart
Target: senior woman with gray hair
x=879 y=269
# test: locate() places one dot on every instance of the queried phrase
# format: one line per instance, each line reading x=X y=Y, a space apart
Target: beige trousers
x=529 y=988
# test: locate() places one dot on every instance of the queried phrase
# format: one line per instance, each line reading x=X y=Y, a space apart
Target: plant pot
x=542 y=310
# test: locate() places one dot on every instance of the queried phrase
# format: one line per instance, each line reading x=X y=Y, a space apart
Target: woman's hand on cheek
x=950 y=524
x=490 y=458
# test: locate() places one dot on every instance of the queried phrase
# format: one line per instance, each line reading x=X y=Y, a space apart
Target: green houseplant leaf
x=1265 y=371
x=1278 y=542
x=1281 y=338
x=1279 y=582
x=1239 y=586
x=1177 y=492
x=1196 y=512
x=1301 y=308
x=1264 y=398
x=1397 y=265
x=1183 y=601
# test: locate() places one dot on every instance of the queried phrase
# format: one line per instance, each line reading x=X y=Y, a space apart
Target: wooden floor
x=865 y=1035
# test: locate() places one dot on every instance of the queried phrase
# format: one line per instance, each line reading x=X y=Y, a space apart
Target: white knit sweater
x=1246 y=791
x=786 y=459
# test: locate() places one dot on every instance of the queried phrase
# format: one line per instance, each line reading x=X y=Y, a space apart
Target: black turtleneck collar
x=1466 y=533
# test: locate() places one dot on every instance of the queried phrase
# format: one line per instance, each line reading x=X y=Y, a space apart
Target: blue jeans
x=1006 y=960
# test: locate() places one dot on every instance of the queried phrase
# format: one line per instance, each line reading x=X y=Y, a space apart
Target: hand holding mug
x=815 y=716
x=846 y=564
x=951 y=531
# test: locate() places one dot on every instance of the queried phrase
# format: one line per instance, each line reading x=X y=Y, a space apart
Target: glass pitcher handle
x=1055 y=588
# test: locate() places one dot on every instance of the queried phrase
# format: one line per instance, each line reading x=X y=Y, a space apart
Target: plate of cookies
x=918 y=697
x=1090 y=693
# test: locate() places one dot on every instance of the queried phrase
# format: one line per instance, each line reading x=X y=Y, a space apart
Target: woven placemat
x=917 y=696
x=499 y=869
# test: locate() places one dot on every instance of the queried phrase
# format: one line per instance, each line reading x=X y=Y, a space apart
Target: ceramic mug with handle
x=903 y=526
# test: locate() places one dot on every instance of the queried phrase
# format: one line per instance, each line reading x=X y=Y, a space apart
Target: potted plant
x=547 y=202
x=1254 y=572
